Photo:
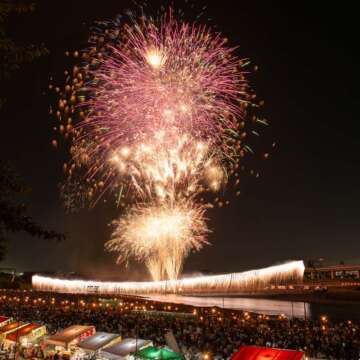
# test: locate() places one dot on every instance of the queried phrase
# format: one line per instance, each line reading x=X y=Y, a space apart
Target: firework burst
x=146 y=78
x=168 y=167
x=160 y=236
x=156 y=114
x=169 y=75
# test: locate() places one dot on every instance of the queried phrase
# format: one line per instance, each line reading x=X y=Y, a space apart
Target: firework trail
x=160 y=236
x=168 y=167
x=161 y=108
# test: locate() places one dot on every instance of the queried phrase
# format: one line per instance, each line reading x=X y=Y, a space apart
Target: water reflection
x=260 y=306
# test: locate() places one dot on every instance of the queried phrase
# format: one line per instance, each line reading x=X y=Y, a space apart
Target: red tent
x=17 y=334
x=263 y=353
x=3 y=318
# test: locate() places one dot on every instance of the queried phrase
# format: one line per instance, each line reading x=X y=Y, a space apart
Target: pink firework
x=155 y=77
x=156 y=112
x=167 y=75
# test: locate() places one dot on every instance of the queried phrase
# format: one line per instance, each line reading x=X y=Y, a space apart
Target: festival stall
x=153 y=353
x=95 y=343
x=66 y=341
x=260 y=353
x=124 y=349
x=27 y=335
x=9 y=328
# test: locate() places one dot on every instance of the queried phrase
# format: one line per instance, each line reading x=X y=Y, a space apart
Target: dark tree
x=13 y=55
x=13 y=211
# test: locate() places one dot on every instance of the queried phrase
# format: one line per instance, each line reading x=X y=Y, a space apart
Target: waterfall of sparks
x=248 y=281
x=162 y=106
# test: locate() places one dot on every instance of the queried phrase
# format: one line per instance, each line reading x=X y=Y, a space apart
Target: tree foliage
x=13 y=212
x=13 y=55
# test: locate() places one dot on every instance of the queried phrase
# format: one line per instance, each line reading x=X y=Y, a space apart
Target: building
x=334 y=273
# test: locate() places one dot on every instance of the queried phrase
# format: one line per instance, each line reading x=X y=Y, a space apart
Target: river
x=337 y=312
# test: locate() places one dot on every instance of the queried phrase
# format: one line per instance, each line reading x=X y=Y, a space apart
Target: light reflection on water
x=260 y=306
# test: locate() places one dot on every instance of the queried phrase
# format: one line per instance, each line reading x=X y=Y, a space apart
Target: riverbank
x=331 y=296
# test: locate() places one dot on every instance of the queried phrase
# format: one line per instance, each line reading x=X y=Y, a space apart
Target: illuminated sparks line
x=254 y=280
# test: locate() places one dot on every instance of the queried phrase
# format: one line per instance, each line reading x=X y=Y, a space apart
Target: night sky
x=306 y=202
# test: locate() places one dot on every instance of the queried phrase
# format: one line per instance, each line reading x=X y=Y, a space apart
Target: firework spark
x=249 y=281
x=160 y=236
x=149 y=78
x=155 y=114
x=166 y=75
x=168 y=167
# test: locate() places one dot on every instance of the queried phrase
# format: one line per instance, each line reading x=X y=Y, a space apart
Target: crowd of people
x=198 y=331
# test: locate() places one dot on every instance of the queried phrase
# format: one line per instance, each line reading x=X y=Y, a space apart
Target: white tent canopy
x=98 y=341
x=124 y=348
x=65 y=337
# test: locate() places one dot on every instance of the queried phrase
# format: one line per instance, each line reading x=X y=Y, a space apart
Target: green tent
x=153 y=353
